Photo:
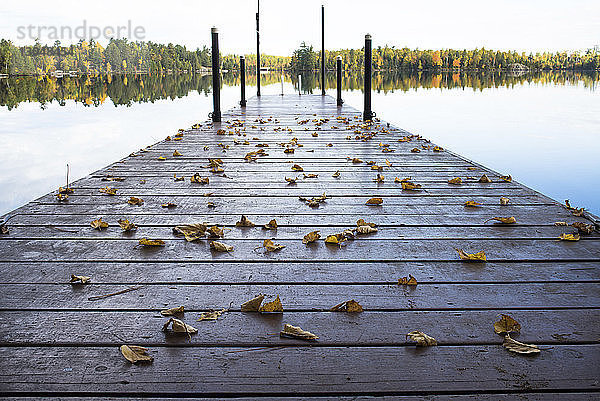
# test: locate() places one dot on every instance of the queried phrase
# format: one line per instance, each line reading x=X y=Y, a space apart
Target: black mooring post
x=216 y=76
x=322 y=50
x=243 y=80
x=257 y=53
x=368 y=114
x=339 y=80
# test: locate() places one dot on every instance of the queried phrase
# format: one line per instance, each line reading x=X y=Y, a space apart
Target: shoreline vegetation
x=121 y=56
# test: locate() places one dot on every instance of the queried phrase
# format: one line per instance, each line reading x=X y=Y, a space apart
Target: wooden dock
x=61 y=339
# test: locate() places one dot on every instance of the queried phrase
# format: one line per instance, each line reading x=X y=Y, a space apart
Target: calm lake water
x=543 y=129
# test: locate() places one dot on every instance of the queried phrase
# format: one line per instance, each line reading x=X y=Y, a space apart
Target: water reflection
x=124 y=90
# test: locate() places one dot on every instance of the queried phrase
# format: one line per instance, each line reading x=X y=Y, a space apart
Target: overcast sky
x=524 y=25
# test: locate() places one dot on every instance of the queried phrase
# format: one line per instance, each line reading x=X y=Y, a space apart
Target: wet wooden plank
x=356 y=250
x=381 y=272
x=296 y=297
x=324 y=370
x=571 y=326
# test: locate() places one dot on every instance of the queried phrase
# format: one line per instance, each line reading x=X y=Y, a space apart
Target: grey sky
x=529 y=25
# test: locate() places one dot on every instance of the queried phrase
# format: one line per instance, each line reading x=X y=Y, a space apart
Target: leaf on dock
x=455 y=181
x=410 y=280
x=136 y=354
x=311 y=237
x=173 y=311
x=135 y=201
x=221 y=247
x=126 y=225
x=191 y=232
x=244 y=222
x=475 y=257
x=374 y=201
x=151 y=242
x=422 y=339
x=503 y=220
x=506 y=325
x=99 y=224
x=178 y=327
x=519 y=347
x=350 y=306
x=273 y=306
x=569 y=237
x=297 y=332
x=270 y=246
x=79 y=279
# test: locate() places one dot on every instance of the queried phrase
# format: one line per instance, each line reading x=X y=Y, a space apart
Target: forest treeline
x=119 y=56
x=123 y=56
x=391 y=58
x=126 y=89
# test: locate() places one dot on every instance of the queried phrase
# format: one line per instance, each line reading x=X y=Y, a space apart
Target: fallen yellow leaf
x=311 y=237
x=211 y=315
x=173 y=311
x=472 y=204
x=410 y=280
x=374 y=201
x=151 y=242
x=135 y=354
x=126 y=225
x=478 y=257
x=350 y=306
x=99 y=224
x=244 y=222
x=221 y=247
x=270 y=246
x=273 y=306
x=455 y=181
x=519 y=347
x=569 y=237
x=484 y=178
x=506 y=325
x=297 y=332
x=135 y=201
x=79 y=279
x=422 y=339
x=503 y=220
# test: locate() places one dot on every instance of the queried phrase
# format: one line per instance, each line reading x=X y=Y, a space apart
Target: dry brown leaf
x=126 y=225
x=79 y=279
x=211 y=315
x=506 y=325
x=410 y=280
x=503 y=220
x=350 y=306
x=67 y=190
x=415 y=150
x=311 y=175
x=271 y=225
x=455 y=181
x=288 y=150
x=560 y=223
x=409 y=186
x=135 y=201
x=504 y=201
x=356 y=160
x=362 y=222
x=519 y=347
x=476 y=257
x=569 y=237
x=422 y=339
x=336 y=174
x=191 y=232
x=108 y=191
x=215 y=232
x=179 y=327
x=175 y=178
x=374 y=201
x=244 y=222
x=176 y=153
x=221 y=247
x=379 y=178
x=62 y=198
x=484 y=178
x=273 y=306
x=270 y=246
x=438 y=149
x=583 y=228
x=151 y=242
x=472 y=204
x=291 y=180
x=365 y=230
x=253 y=305
x=296 y=167
x=311 y=237
x=297 y=332
x=506 y=178
x=136 y=354
x=400 y=180
x=199 y=180
x=168 y=205
x=99 y=224
x=173 y=311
